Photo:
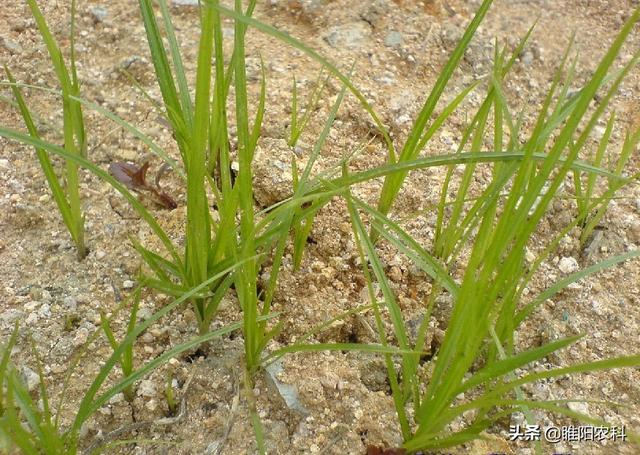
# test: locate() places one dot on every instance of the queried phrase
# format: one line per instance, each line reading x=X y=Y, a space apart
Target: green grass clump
x=68 y=200
x=497 y=226
x=32 y=428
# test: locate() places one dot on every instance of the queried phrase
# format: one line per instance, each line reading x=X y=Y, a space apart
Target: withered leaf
x=129 y=174
x=134 y=178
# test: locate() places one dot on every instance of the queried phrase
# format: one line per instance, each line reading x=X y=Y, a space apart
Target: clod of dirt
x=373 y=375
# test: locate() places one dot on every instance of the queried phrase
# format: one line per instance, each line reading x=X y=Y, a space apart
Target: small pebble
x=568 y=265
x=128 y=284
x=598 y=132
x=348 y=36
x=45 y=310
x=527 y=58
x=117 y=398
x=98 y=13
x=582 y=408
x=151 y=405
x=393 y=39
x=70 y=303
x=11 y=45
x=32 y=319
x=395 y=274
x=529 y=257
x=81 y=337
x=146 y=389
x=31 y=306
x=31 y=378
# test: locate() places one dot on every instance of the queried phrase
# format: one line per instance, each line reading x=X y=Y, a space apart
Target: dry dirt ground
x=397 y=47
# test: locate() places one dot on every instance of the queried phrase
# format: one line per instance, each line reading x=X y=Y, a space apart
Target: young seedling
x=298 y=123
x=33 y=428
x=169 y=395
x=590 y=214
x=24 y=426
x=126 y=359
x=68 y=200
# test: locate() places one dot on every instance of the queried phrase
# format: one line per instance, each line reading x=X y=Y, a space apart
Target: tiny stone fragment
x=146 y=389
x=393 y=39
x=288 y=392
x=349 y=36
x=70 y=303
x=81 y=337
x=31 y=378
x=11 y=45
x=579 y=407
x=98 y=13
x=568 y=265
x=527 y=58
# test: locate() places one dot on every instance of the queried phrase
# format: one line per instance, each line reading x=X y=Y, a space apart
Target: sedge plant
x=298 y=123
x=32 y=428
x=233 y=240
x=488 y=305
x=66 y=197
x=487 y=298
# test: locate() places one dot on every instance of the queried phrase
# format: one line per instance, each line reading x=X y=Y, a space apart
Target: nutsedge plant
x=298 y=123
x=487 y=304
x=201 y=129
x=34 y=429
x=487 y=309
x=67 y=199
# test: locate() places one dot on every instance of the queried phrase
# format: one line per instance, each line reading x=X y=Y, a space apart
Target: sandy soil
x=397 y=46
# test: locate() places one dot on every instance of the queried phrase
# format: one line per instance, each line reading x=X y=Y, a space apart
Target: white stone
x=151 y=405
x=147 y=389
x=31 y=378
x=349 y=36
x=98 y=13
x=568 y=265
x=81 y=337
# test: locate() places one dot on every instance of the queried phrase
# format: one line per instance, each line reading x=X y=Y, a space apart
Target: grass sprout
x=126 y=360
x=299 y=123
x=67 y=200
x=34 y=429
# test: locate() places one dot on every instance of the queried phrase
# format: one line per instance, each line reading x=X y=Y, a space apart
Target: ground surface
x=397 y=47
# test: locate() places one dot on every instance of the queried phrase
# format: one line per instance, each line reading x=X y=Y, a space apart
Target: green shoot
x=74 y=132
x=126 y=360
x=169 y=395
x=299 y=123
